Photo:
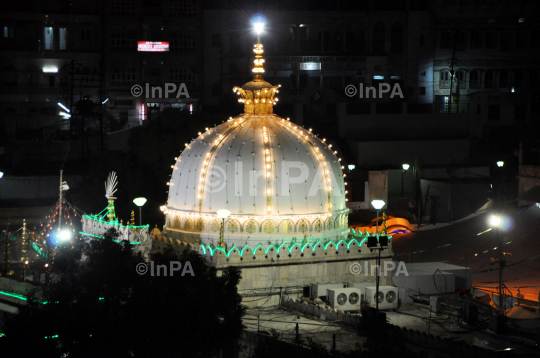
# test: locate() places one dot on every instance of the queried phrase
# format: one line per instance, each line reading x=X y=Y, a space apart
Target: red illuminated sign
x=148 y=46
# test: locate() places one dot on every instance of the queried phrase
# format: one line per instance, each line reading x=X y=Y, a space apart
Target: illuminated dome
x=279 y=181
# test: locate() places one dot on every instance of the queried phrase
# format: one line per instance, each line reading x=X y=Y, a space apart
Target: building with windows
x=56 y=54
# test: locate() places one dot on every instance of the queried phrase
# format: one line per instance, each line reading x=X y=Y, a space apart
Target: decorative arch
x=176 y=222
x=329 y=224
x=233 y=226
x=286 y=227
x=269 y=227
x=215 y=225
x=318 y=225
x=251 y=226
x=188 y=225
x=337 y=222
x=199 y=224
x=302 y=226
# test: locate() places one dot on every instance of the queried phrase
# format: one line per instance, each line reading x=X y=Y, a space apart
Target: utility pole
x=5 y=268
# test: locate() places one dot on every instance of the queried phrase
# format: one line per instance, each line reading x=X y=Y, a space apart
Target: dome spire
x=258 y=95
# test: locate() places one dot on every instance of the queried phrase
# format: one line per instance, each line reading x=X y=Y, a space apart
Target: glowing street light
x=405 y=168
x=223 y=214
x=378 y=205
x=494 y=220
x=140 y=202
x=351 y=167
x=64 y=235
x=500 y=163
x=1 y=174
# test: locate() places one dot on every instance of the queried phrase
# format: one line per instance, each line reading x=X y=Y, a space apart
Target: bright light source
x=406 y=166
x=258 y=21
x=223 y=213
x=64 y=107
x=64 y=235
x=351 y=166
x=494 y=220
x=378 y=204
x=50 y=69
x=500 y=163
x=1 y=174
x=139 y=201
x=105 y=101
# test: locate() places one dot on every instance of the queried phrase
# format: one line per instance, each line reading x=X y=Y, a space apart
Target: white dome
x=291 y=175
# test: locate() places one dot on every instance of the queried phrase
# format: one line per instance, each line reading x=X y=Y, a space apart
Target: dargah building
x=264 y=194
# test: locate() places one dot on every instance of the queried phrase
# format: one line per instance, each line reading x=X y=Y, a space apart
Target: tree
x=102 y=307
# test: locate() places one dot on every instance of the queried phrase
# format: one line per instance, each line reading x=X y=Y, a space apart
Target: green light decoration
x=38 y=250
x=49 y=337
x=114 y=223
x=14 y=295
x=301 y=246
x=102 y=237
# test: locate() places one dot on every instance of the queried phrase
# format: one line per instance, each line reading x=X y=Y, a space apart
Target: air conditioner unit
x=320 y=289
x=345 y=299
x=388 y=297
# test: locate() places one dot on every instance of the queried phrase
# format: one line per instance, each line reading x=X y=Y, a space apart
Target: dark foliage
x=103 y=308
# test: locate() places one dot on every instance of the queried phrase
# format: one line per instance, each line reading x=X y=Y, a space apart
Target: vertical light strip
x=304 y=135
x=268 y=168
x=219 y=139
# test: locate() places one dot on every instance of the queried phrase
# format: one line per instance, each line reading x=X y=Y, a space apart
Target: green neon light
x=114 y=223
x=313 y=247
x=14 y=295
x=48 y=337
x=102 y=237
x=39 y=251
x=2 y=335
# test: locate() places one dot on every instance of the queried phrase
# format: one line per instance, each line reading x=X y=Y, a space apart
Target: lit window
x=444 y=81
x=62 y=38
x=48 y=34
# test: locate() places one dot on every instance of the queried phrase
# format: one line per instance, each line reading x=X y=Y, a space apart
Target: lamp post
x=405 y=167
x=140 y=202
x=382 y=242
x=223 y=214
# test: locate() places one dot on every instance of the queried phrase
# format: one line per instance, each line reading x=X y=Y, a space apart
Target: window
x=474 y=79
x=8 y=31
x=446 y=39
x=494 y=112
x=491 y=39
x=460 y=79
x=503 y=79
x=396 y=38
x=444 y=81
x=521 y=38
x=123 y=42
x=476 y=39
x=48 y=34
x=422 y=91
x=62 y=32
x=379 y=37
x=123 y=76
x=216 y=40
x=184 y=42
x=123 y=7
x=182 y=75
x=489 y=79
x=520 y=114
x=183 y=8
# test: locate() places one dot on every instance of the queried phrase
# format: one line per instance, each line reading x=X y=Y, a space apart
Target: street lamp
x=378 y=205
x=1 y=174
x=500 y=163
x=382 y=244
x=351 y=167
x=140 y=202
x=223 y=214
x=405 y=168
x=494 y=220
